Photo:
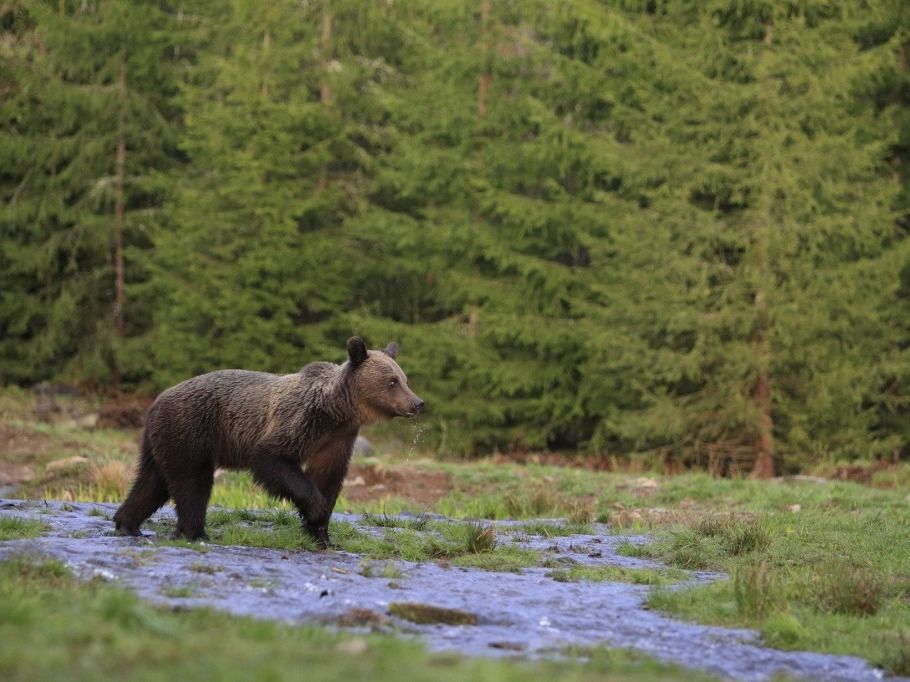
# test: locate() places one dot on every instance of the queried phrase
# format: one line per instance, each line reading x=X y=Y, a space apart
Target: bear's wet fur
x=293 y=432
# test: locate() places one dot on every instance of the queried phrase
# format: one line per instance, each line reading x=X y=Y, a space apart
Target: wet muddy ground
x=490 y=614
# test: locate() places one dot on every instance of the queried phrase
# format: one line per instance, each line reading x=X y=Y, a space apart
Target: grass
x=814 y=565
x=16 y=527
x=463 y=544
x=178 y=591
x=552 y=530
x=822 y=580
x=54 y=627
x=505 y=559
x=820 y=566
x=706 y=541
x=619 y=574
x=384 y=520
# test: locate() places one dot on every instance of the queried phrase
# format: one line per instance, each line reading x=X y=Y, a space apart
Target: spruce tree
x=257 y=265
x=623 y=226
x=792 y=227
x=86 y=123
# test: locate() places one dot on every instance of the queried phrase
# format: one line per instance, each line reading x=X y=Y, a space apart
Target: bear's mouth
x=412 y=410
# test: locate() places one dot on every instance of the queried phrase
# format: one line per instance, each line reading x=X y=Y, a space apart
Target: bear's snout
x=414 y=407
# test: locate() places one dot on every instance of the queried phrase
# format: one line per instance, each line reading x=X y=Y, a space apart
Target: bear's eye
x=393 y=383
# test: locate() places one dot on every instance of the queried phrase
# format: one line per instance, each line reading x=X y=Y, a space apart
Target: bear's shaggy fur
x=294 y=432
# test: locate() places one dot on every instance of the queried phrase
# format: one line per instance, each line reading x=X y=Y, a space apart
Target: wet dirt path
x=526 y=614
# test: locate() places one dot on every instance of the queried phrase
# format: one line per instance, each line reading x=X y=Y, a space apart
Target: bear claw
x=321 y=535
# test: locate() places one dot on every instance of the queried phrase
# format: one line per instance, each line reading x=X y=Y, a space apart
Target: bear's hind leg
x=148 y=494
x=191 y=497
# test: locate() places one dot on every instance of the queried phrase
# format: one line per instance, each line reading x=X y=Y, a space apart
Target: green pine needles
x=617 y=227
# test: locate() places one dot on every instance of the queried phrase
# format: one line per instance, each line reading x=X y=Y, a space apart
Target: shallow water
x=525 y=614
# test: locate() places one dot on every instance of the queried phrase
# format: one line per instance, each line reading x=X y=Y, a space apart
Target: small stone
x=363 y=447
x=508 y=646
x=65 y=463
x=356 y=481
x=794 y=508
x=87 y=421
x=359 y=617
x=352 y=647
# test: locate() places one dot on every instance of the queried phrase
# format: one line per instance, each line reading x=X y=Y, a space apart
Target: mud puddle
x=492 y=614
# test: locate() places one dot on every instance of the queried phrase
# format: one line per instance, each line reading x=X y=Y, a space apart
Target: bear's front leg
x=284 y=478
x=327 y=469
x=320 y=533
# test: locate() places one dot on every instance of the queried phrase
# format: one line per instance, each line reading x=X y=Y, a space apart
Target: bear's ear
x=357 y=350
x=391 y=350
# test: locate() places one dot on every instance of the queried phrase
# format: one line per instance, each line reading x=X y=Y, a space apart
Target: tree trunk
x=761 y=392
x=325 y=90
x=120 y=204
x=764 y=444
x=119 y=210
x=485 y=77
x=263 y=82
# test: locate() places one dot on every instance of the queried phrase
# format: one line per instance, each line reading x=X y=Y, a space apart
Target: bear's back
x=227 y=409
x=232 y=409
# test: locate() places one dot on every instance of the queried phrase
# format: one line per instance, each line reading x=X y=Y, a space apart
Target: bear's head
x=379 y=388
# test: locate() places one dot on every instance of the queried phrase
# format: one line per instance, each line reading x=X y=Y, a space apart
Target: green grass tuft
x=849 y=589
x=756 y=590
x=178 y=591
x=505 y=559
x=630 y=549
x=737 y=536
x=384 y=520
x=896 y=652
x=477 y=538
x=17 y=527
x=552 y=530
x=619 y=574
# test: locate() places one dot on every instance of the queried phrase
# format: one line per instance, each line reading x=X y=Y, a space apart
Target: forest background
x=677 y=228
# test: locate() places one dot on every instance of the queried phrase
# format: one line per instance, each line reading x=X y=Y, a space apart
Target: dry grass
x=111 y=477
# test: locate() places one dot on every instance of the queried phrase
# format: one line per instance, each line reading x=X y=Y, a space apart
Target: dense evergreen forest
x=676 y=227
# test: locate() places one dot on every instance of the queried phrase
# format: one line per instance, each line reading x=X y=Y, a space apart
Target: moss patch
x=618 y=574
x=427 y=614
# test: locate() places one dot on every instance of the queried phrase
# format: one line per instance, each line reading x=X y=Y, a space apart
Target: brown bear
x=294 y=432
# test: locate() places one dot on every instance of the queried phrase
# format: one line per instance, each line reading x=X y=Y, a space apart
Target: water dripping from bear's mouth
x=527 y=614
x=412 y=446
